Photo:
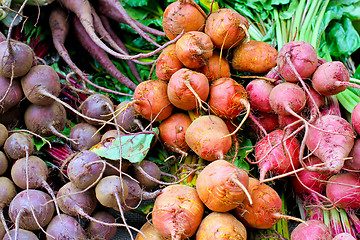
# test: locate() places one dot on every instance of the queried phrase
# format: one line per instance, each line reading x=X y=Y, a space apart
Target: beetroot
x=28 y=207
x=16 y=58
x=226 y=28
x=97 y=106
x=151 y=100
x=310 y=230
x=100 y=231
x=172 y=132
x=287 y=98
x=167 y=63
x=177 y=212
x=331 y=139
x=343 y=190
x=302 y=55
x=45 y=120
x=206 y=137
x=187 y=89
x=41 y=80
x=85 y=169
x=259 y=91
x=65 y=227
x=276 y=155
x=355 y=118
x=85 y=136
x=18 y=145
x=182 y=16
x=331 y=78
x=13 y=91
x=194 y=49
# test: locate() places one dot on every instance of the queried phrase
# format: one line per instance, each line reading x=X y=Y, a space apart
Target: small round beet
x=73 y=201
x=183 y=86
x=286 y=97
x=4 y=163
x=85 y=168
x=98 y=106
x=151 y=169
x=65 y=227
x=100 y=231
x=111 y=134
x=151 y=100
x=7 y=191
x=38 y=172
x=45 y=120
x=182 y=16
x=217 y=67
x=84 y=135
x=21 y=234
x=258 y=91
x=226 y=28
x=331 y=78
x=127 y=117
x=303 y=57
x=194 y=49
x=172 y=131
x=41 y=204
x=40 y=79
x=17 y=144
x=13 y=95
x=4 y=134
x=167 y=63
x=110 y=190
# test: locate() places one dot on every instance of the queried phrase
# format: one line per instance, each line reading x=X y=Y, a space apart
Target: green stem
x=314 y=39
x=297 y=20
x=279 y=36
x=306 y=26
x=354 y=80
x=345 y=221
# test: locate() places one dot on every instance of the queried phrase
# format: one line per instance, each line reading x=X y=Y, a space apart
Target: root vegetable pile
x=211 y=127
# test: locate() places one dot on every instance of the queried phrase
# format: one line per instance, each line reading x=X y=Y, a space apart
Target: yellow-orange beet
x=205 y=136
x=254 y=57
x=216 y=67
x=226 y=28
x=182 y=16
x=167 y=63
x=177 y=212
x=194 y=49
x=151 y=100
x=265 y=210
x=218 y=226
x=222 y=186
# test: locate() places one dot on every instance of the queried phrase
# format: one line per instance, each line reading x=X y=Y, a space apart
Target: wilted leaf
x=133 y=147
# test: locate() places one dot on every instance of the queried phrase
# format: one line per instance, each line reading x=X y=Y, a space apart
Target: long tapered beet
x=100 y=55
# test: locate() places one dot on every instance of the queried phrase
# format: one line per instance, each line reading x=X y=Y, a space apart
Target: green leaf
x=136 y=3
x=133 y=147
x=342 y=38
x=245 y=148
